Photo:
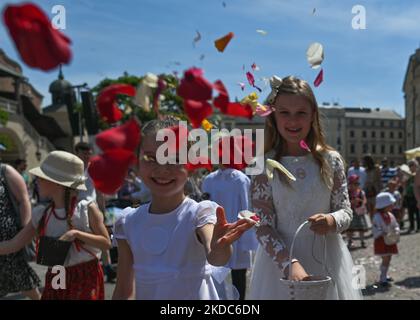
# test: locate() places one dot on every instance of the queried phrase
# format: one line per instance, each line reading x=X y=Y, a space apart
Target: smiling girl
x=167 y=246
x=318 y=195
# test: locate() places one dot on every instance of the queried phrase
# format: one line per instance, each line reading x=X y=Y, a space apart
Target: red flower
x=197 y=111
x=237 y=145
x=226 y=107
x=109 y=170
x=38 y=43
x=126 y=136
x=106 y=101
x=194 y=86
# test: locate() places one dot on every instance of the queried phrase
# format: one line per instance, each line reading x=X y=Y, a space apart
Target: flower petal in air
x=109 y=170
x=319 y=78
x=38 y=43
x=194 y=86
x=197 y=111
x=315 y=55
x=221 y=43
x=106 y=101
x=126 y=136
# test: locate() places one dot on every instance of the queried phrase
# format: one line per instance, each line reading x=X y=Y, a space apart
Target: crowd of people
x=177 y=233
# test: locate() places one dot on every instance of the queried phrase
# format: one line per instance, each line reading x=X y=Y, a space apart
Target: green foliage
x=4 y=117
x=8 y=142
x=170 y=104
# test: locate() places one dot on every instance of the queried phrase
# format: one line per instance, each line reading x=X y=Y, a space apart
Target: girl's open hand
x=224 y=233
x=70 y=235
x=322 y=223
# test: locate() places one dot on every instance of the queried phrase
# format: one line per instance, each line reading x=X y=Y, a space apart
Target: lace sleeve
x=340 y=204
x=262 y=203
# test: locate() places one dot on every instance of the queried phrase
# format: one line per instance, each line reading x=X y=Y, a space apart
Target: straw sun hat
x=62 y=168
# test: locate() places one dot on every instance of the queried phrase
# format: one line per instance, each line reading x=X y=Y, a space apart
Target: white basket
x=314 y=288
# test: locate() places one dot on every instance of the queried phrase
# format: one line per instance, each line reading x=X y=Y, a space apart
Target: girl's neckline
x=169 y=212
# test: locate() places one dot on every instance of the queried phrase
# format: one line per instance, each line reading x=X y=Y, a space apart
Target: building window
x=383 y=149
x=364 y=123
x=391 y=135
x=382 y=134
x=369 y=123
x=365 y=148
x=400 y=135
x=352 y=148
x=373 y=134
x=351 y=134
x=373 y=149
x=400 y=149
x=363 y=134
x=391 y=149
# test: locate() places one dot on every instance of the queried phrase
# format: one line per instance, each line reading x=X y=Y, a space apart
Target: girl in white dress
x=319 y=195
x=168 y=247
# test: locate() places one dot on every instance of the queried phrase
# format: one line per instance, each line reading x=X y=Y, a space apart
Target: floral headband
x=275 y=84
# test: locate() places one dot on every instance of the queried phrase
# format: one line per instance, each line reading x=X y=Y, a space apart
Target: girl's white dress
x=169 y=260
x=283 y=208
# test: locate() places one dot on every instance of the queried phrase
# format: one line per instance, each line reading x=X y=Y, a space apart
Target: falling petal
x=304 y=146
x=224 y=4
x=251 y=80
x=273 y=164
x=262 y=32
x=202 y=57
x=263 y=111
x=234 y=109
x=161 y=85
x=222 y=42
x=206 y=125
x=315 y=55
x=126 y=136
x=313 y=11
x=255 y=67
x=242 y=85
x=319 y=78
x=39 y=44
x=197 y=111
x=197 y=38
x=194 y=86
x=106 y=102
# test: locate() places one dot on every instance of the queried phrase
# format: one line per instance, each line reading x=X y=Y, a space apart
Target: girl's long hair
x=315 y=138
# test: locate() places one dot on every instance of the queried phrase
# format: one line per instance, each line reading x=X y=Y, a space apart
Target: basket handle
x=293 y=244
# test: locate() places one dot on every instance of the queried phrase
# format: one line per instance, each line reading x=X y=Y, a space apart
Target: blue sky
x=361 y=67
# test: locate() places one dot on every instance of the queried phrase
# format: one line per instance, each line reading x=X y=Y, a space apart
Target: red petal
x=222 y=100
x=109 y=170
x=38 y=43
x=194 y=86
x=106 y=101
x=203 y=162
x=239 y=110
x=237 y=144
x=251 y=79
x=126 y=136
x=197 y=111
x=319 y=78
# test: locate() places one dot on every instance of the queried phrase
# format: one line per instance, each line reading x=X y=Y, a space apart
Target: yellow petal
x=206 y=125
x=273 y=164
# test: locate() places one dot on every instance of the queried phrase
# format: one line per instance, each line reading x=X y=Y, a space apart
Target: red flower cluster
x=38 y=43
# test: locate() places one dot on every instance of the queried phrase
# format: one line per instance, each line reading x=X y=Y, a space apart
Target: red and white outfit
x=383 y=222
x=84 y=275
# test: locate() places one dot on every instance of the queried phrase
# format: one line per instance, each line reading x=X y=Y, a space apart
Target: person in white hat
x=386 y=232
x=61 y=177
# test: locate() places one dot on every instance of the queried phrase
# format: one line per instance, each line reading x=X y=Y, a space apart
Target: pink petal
x=319 y=78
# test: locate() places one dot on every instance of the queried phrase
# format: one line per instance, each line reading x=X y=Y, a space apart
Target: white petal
x=315 y=54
